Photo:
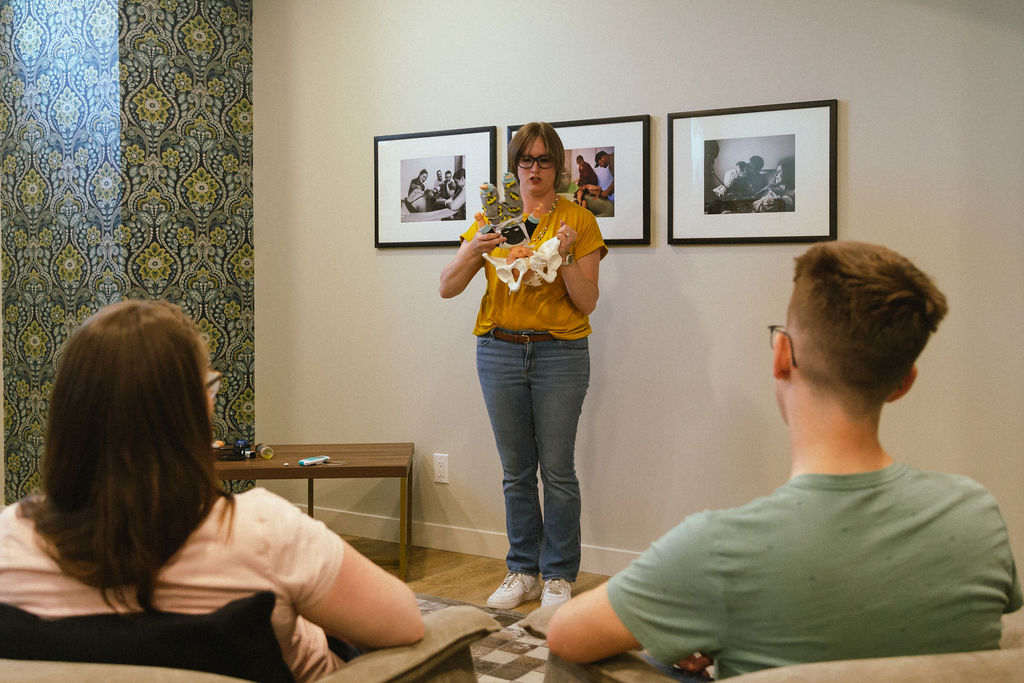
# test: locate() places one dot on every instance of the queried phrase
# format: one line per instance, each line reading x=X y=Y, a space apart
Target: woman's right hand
x=468 y=260
x=483 y=242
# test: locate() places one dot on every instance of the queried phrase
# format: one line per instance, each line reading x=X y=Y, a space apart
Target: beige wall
x=354 y=344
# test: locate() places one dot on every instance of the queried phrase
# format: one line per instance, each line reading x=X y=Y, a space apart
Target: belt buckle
x=523 y=338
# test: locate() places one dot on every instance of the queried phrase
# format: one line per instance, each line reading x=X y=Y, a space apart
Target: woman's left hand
x=581 y=279
x=566 y=238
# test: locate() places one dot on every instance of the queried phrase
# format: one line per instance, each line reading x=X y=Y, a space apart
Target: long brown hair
x=128 y=471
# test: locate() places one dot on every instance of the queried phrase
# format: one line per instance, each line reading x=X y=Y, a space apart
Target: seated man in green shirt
x=857 y=555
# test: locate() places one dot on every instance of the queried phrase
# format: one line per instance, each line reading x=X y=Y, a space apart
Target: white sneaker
x=516 y=588
x=556 y=591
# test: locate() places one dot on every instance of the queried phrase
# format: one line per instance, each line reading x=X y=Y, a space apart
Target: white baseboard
x=594 y=559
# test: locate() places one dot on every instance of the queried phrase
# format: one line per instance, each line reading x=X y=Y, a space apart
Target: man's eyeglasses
x=213 y=382
x=543 y=162
x=776 y=330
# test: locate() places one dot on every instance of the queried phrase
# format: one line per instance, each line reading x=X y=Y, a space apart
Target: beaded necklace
x=537 y=237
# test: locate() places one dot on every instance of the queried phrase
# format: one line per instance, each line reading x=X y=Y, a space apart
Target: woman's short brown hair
x=523 y=140
x=862 y=315
x=128 y=471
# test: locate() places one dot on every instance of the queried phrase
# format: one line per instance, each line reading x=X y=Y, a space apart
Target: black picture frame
x=796 y=145
x=406 y=217
x=625 y=141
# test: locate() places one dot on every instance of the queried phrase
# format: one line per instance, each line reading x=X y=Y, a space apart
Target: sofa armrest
x=625 y=667
x=536 y=622
x=443 y=653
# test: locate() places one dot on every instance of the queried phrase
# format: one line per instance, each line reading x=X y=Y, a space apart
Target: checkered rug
x=510 y=654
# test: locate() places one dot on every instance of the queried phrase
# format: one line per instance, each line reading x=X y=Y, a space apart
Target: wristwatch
x=570 y=259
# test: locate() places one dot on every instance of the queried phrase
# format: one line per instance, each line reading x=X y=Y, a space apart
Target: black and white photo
x=438 y=195
x=750 y=175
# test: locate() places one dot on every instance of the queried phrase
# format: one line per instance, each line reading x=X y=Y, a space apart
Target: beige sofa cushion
x=32 y=671
x=1013 y=631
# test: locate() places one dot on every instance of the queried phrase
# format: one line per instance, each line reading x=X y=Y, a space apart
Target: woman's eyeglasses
x=543 y=162
x=213 y=382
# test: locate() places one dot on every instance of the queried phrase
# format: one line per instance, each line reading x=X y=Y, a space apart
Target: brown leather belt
x=522 y=338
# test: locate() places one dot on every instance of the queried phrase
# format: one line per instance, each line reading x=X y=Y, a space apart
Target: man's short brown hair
x=862 y=314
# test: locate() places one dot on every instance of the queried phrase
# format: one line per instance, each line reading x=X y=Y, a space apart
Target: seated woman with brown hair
x=132 y=516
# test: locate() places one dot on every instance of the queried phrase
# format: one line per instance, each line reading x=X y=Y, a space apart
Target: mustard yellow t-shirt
x=546 y=307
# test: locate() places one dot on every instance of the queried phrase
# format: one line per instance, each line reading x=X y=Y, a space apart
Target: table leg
x=404 y=527
x=309 y=497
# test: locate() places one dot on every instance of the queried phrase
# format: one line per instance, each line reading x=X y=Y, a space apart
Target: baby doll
x=522 y=262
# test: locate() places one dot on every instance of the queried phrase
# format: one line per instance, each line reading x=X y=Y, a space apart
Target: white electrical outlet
x=441 y=468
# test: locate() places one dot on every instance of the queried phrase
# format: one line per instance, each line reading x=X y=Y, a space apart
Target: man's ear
x=781 y=358
x=904 y=387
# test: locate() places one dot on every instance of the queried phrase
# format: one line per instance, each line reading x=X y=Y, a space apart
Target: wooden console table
x=361 y=461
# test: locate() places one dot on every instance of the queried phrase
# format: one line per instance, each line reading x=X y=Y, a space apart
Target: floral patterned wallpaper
x=126 y=156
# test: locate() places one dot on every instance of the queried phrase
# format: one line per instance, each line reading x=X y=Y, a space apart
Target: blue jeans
x=534 y=394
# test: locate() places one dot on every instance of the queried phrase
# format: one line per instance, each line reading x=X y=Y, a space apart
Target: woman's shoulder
x=262 y=499
x=255 y=514
x=20 y=513
x=7 y=512
x=13 y=519
x=256 y=509
x=18 y=536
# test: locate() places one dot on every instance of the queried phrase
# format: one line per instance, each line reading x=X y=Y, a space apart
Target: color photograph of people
x=591 y=181
x=750 y=175
x=437 y=194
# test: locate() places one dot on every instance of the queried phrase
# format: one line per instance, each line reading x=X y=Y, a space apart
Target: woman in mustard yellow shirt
x=533 y=362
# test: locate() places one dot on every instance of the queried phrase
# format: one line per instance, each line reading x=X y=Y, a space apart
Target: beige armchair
x=992 y=666
x=443 y=655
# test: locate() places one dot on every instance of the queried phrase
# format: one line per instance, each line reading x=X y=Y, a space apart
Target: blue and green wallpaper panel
x=126 y=155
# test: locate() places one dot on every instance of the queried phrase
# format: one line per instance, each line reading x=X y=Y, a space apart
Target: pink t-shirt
x=270 y=545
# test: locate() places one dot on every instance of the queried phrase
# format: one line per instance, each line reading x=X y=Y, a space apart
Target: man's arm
x=458 y=201
x=586 y=628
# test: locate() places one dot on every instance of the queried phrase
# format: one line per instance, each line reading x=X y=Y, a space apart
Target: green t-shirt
x=893 y=562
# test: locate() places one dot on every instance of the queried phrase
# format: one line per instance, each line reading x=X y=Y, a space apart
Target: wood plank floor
x=468 y=578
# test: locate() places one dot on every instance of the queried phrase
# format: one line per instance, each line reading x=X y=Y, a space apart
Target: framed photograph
x=425 y=185
x=753 y=174
x=610 y=153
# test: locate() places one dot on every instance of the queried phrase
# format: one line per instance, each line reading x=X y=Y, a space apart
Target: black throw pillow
x=235 y=640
